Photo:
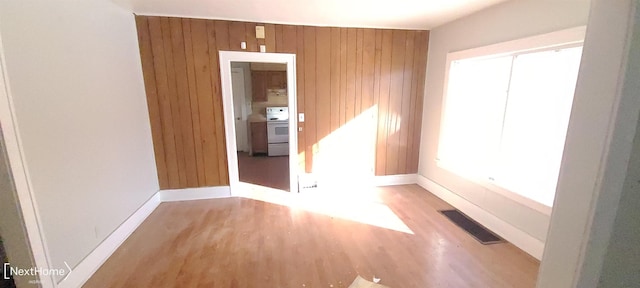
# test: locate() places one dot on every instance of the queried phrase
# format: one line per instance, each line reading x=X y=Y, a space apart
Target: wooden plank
x=193 y=96
x=279 y=43
x=323 y=83
x=289 y=41
x=395 y=100
x=300 y=71
x=405 y=115
x=182 y=88
x=148 y=72
x=343 y=76
x=335 y=79
x=412 y=103
x=368 y=60
x=376 y=96
x=358 y=73
x=162 y=86
x=222 y=35
x=205 y=99
x=310 y=95
x=250 y=37
x=217 y=104
x=351 y=74
x=383 y=104
x=236 y=35
x=173 y=100
x=422 y=67
x=217 y=241
x=270 y=37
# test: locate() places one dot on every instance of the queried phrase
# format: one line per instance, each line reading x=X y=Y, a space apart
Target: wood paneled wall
x=341 y=72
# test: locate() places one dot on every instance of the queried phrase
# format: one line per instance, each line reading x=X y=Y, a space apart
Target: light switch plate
x=260 y=32
x=300 y=117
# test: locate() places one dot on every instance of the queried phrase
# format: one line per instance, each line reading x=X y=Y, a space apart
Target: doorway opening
x=260 y=120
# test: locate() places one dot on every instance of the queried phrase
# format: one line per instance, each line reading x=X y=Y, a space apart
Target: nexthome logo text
x=34 y=271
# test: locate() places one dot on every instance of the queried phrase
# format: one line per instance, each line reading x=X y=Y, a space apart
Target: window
x=505 y=115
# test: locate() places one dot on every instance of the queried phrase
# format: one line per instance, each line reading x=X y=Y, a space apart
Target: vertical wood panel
x=236 y=35
x=421 y=72
x=205 y=99
x=162 y=86
x=222 y=35
x=217 y=103
x=405 y=115
x=310 y=94
x=174 y=101
x=290 y=41
x=383 y=103
x=368 y=69
x=341 y=72
x=395 y=100
x=195 y=107
x=357 y=107
x=148 y=71
x=301 y=81
x=270 y=37
x=250 y=37
x=323 y=82
x=376 y=69
x=351 y=74
x=279 y=39
x=335 y=78
x=182 y=88
x=412 y=103
x=343 y=77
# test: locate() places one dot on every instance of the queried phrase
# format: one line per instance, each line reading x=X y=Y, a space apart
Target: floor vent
x=477 y=231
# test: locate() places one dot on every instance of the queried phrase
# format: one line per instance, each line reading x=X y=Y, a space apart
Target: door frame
x=226 y=57
x=243 y=104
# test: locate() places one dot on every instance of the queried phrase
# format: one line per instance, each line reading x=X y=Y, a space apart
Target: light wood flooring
x=242 y=242
x=265 y=171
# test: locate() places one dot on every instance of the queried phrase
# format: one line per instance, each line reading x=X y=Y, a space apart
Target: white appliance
x=278 y=131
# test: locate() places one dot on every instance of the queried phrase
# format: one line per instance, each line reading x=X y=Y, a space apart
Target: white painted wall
x=508 y=21
x=76 y=83
x=594 y=228
x=620 y=265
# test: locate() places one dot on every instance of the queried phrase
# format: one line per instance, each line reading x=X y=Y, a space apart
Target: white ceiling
x=402 y=14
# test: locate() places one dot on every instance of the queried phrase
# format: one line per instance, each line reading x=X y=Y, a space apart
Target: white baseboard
x=195 y=193
x=507 y=231
x=400 y=179
x=90 y=264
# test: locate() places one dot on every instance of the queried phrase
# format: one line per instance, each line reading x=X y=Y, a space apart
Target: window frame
x=567 y=38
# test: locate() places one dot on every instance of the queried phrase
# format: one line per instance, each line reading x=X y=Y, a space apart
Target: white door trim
x=243 y=108
x=226 y=57
x=21 y=178
x=603 y=122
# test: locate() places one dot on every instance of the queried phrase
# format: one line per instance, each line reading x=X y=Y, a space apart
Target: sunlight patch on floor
x=363 y=205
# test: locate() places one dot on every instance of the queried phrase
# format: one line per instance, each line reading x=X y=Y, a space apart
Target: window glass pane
x=474 y=107
x=535 y=124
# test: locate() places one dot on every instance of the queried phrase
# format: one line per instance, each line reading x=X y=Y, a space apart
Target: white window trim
x=571 y=37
